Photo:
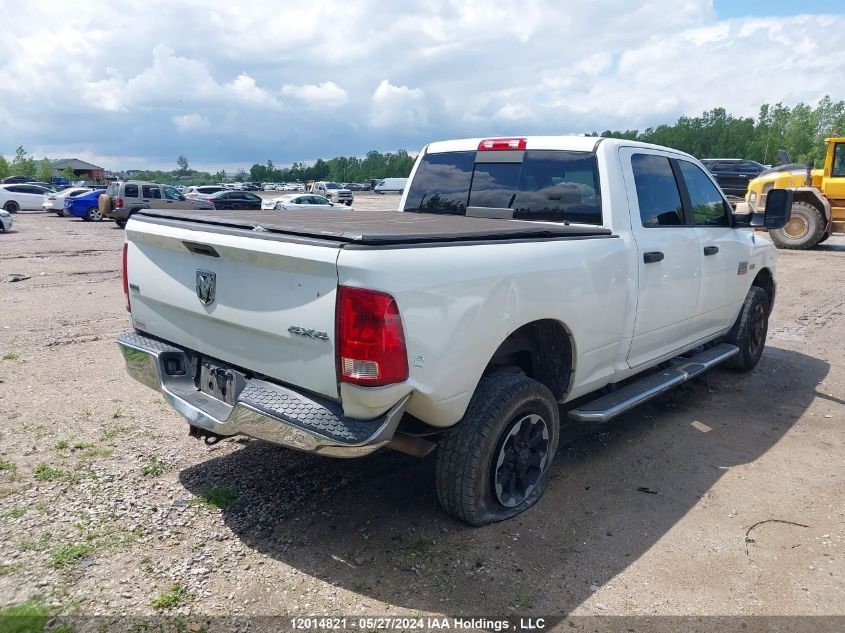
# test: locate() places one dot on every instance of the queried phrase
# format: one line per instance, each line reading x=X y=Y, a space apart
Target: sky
x=132 y=84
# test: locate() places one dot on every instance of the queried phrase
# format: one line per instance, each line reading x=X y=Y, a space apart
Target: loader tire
x=804 y=229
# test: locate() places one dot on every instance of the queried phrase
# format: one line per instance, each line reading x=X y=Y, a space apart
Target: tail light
x=126 y=278
x=370 y=339
x=498 y=144
x=118 y=203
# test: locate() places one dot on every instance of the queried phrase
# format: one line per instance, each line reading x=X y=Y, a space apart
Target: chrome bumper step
x=263 y=409
x=629 y=396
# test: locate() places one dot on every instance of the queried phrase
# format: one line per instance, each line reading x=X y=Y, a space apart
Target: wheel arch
x=766 y=282
x=812 y=196
x=543 y=350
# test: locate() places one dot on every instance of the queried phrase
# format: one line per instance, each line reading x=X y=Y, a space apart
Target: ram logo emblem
x=206 y=286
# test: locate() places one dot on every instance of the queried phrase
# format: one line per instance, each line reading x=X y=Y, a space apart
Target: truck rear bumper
x=263 y=410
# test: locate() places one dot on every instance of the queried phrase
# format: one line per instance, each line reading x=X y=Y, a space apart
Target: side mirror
x=778 y=209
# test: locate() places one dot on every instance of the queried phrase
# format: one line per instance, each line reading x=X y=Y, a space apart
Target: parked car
x=733 y=174
x=85 y=206
x=299 y=201
x=203 y=190
x=123 y=198
x=16 y=180
x=41 y=183
x=454 y=310
x=17 y=197
x=55 y=202
x=5 y=221
x=333 y=191
x=353 y=186
x=391 y=185
x=238 y=199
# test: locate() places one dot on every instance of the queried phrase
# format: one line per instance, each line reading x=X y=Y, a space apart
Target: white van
x=391 y=185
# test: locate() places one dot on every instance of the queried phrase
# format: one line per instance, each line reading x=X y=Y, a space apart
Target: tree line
x=800 y=130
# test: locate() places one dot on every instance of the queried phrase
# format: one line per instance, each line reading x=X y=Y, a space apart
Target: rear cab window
x=544 y=185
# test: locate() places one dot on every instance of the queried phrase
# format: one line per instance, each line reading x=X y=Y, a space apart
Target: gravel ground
x=107 y=507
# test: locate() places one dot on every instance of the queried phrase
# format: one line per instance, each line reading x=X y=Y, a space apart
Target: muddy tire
x=804 y=229
x=749 y=331
x=497 y=461
x=11 y=206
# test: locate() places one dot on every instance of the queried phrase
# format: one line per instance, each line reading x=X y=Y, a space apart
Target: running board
x=637 y=392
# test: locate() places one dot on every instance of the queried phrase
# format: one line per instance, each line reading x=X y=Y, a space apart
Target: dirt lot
x=108 y=507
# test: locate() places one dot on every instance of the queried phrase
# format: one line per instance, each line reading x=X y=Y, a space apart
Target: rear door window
x=151 y=191
x=657 y=191
x=130 y=191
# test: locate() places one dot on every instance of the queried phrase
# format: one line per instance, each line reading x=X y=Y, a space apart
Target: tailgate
x=272 y=300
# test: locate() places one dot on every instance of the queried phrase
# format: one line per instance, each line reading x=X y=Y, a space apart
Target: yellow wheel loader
x=818 y=207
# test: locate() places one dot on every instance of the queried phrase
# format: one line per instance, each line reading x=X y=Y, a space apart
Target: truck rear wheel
x=497 y=461
x=804 y=229
x=749 y=331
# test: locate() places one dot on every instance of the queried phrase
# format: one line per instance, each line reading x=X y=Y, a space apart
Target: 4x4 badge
x=206 y=286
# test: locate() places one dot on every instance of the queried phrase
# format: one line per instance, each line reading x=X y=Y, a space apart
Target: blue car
x=85 y=206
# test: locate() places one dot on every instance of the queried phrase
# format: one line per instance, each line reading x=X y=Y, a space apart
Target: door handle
x=652 y=256
x=711 y=250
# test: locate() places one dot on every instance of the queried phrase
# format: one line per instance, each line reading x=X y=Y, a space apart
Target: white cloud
x=257 y=80
x=398 y=106
x=325 y=95
x=513 y=112
x=190 y=122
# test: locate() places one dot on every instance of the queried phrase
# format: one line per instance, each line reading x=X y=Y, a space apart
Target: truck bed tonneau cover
x=377 y=227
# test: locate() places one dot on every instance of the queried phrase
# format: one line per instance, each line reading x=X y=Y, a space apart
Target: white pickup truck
x=522 y=274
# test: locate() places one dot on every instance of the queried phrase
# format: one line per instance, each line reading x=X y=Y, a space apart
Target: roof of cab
x=566 y=143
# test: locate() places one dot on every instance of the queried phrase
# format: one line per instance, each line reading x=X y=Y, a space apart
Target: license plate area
x=220 y=382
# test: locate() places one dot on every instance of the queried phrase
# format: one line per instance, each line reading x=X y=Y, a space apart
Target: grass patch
x=8 y=467
x=67 y=555
x=118 y=413
x=419 y=548
x=112 y=432
x=96 y=453
x=15 y=513
x=521 y=601
x=175 y=596
x=35 y=546
x=62 y=445
x=45 y=472
x=10 y=568
x=24 y=617
x=358 y=583
x=217 y=497
x=79 y=446
x=11 y=356
x=154 y=467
